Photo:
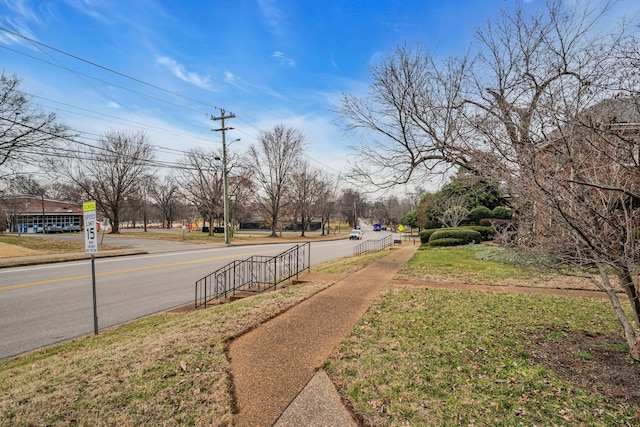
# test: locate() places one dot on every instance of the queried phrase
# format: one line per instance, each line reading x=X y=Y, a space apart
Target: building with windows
x=28 y=214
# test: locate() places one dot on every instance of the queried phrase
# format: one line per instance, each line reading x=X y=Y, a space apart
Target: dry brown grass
x=165 y=368
x=18 y=246
x=8 y=251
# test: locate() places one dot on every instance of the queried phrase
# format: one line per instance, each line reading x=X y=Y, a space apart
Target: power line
x=102 y=67
x=142 y=126
x=137 y=80
x=119 y=119
x=155 y=98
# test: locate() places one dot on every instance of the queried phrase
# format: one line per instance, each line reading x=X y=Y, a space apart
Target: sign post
x=91 y=248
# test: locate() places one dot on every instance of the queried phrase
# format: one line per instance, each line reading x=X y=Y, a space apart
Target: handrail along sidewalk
x=254 y=274
x=373 y=245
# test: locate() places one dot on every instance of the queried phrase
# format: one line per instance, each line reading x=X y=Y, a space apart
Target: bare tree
x=327 y=201
x=587 y=189
x=391 y=209
x=137 y=206
x=515 y=111
x=273 y=161
x=201 y=180
x=544 y=107
x=308 y=188
x=25 y=185
x=164 y=195
x=65 y=191
x=486 y=111
x=241 y=194
x=451 y=211
x=410 y=119
x=352 y=205
x=25 y=133
x=111 y=171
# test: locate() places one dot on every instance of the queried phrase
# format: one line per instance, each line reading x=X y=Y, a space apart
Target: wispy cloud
x=248 y=87
x=229 y=77
x=283 y=59
x=272 y=15
x=89 y=8
x=181 y=72
x=24 y=14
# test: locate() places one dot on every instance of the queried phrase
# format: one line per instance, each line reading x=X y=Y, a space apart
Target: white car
x=355 y=235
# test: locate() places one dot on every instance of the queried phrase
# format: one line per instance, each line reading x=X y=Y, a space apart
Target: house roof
x=35 y=205
x=616 y=111
x=618 y=114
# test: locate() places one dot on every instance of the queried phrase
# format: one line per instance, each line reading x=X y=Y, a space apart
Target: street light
x=225 y=183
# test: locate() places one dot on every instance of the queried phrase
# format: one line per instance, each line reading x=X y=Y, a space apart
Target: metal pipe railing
x=373 y=245
x=254 y=274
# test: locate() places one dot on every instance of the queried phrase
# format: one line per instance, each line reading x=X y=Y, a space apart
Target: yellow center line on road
x=128 y=270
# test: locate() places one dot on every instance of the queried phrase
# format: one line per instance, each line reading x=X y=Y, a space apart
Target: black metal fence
x=373 y=245
x=254 y=274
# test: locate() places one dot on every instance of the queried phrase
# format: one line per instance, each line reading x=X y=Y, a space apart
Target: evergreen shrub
x=486 y=233
x=465 y=234
x=479 y=213
x=501 y=212
x=426 y=234
x=447 y=241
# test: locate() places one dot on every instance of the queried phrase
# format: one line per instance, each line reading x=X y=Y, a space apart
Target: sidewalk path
x=272 y=364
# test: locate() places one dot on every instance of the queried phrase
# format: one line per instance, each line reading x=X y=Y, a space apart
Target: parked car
x=355 y=235
x=71 y=228
x=52 y=229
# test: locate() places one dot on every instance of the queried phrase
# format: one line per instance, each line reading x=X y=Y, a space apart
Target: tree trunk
x=144 y=218
x=633 y=341
x=274 y=226
x=115 y=223
x=626 y=281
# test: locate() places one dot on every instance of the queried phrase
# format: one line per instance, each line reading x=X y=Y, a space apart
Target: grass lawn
x=17 y=246
x=472 y=264
x=168 y=369
x=42 y=245
x=417 y=357
x=449 y=358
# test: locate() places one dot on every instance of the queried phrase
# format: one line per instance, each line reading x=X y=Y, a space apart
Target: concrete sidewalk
x=275 y=366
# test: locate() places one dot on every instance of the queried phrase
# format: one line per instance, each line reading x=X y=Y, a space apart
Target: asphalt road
x=45 y=304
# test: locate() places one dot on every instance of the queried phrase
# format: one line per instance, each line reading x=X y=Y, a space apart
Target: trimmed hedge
x=425 y=235
x=486 y=233
x=447 y=241
x=479 y=213
x=465 y=234
x=501 y=212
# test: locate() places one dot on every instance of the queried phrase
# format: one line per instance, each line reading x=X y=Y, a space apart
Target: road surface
x=44 y=304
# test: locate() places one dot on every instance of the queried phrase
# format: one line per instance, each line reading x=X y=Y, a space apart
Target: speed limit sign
x=90 y=228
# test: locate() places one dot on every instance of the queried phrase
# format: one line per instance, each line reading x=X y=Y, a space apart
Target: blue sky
x=267 y=61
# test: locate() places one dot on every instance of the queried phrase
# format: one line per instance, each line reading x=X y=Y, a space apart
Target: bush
x=430 y=223
x=466 y=234
x=478 y=213
x=447 y=241
x=426 y=234
x=501 y=212
x=486 y=233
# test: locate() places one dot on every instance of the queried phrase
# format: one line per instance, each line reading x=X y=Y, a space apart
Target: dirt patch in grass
x=8 y=251
x=14 y=246
x=595 y=361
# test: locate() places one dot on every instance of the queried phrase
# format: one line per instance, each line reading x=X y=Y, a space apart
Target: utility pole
x=223 y=129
